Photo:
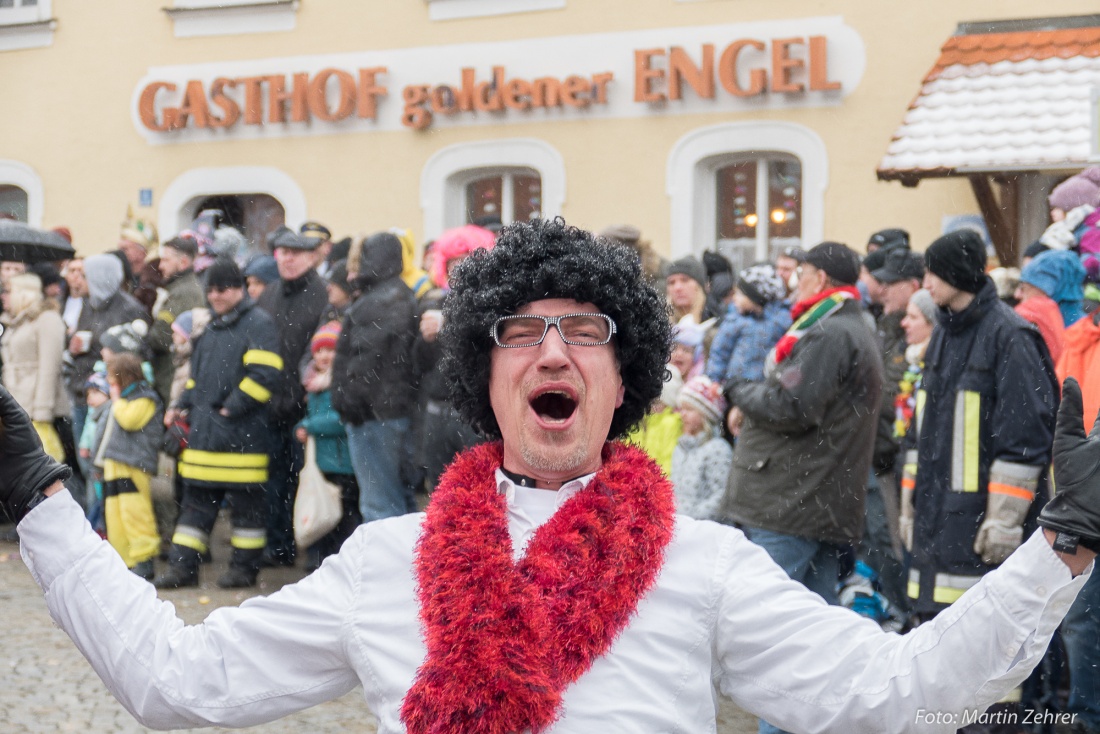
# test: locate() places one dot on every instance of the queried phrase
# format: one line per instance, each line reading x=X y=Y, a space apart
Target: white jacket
x=720 y=608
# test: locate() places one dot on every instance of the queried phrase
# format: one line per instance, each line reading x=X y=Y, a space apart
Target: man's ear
x=621 y=394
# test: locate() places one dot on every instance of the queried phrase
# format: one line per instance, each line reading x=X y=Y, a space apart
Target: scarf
x=505 y=638
x=808 y=312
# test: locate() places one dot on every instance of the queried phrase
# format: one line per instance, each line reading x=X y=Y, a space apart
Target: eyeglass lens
x=587 y=329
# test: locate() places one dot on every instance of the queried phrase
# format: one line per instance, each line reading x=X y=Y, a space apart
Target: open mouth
x=554 y=406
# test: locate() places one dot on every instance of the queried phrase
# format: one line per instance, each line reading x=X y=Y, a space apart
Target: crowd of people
x=880 y=424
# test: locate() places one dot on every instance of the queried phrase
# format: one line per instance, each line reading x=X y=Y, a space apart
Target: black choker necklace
x=523 y=481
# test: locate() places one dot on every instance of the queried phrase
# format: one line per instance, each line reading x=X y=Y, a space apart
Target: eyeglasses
x=578 y=329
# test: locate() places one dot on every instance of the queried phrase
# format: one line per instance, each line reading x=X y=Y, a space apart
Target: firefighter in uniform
x=234 y=367
x=976 y=479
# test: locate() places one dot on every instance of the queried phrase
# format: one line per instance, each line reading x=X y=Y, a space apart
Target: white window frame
x=15 y=173
x=173 y=213
x=445 y=176
x=691 y=183
x=507 y=192
x=196 y=18
x=457 y=9
x=27 y=27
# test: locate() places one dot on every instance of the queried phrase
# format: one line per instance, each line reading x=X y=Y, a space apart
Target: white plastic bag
x=318 y=508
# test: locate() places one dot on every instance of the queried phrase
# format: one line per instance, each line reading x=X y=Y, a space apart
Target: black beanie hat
x=224 y=273
x=958 y=258
x=690 y=267
x=838 y=261
x=715 y=263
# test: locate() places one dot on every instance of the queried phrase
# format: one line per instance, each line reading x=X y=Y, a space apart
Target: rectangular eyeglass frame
x=547 y=322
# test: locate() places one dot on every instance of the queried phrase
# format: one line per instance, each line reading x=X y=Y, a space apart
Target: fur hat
x=761 y=284
x=837 y=260
x=958 y=258
x=326 y=337
x=127 y=338
x=692 y=268
x=705 y=395
x=1084 y=188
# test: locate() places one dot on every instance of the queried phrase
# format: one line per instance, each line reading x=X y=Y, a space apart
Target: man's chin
x=569 y=457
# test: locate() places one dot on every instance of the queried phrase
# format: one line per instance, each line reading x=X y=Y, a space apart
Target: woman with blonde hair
x=31 y=349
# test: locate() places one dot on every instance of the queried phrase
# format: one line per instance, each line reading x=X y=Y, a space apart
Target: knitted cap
x=183 y=245
x=690 y=267
x=264 y=268
x=1084 y=188
x=338 y=276
x=326 y=337
x=98 y=381
x=958 y=258
x=224 y=274
x=761 y=284
x=127 y=338
x=705 y=395
x=183 y=324
x=922 y=299
x=837 y=260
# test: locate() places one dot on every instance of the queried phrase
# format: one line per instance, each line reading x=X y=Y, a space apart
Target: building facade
x=738 y=124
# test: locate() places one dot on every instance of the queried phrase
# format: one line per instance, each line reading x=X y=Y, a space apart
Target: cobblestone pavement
x=47 y=686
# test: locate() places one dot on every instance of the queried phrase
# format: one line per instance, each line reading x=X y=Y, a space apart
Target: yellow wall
x=67 y=113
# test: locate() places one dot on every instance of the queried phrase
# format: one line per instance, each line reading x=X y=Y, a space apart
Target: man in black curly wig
x=548 y=261
x=507 y=607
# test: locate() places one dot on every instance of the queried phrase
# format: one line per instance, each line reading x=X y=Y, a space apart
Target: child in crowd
x=659 y=431
x=128 y=455
x=97 y=393
x=702 y=458
x=687 y=349
x=744 y=339
x=333 y=457
x=185 y=330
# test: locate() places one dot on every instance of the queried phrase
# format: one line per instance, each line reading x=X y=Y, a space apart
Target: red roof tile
x=989 y=48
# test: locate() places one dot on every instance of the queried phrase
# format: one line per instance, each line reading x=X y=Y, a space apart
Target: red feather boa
x=504 y=639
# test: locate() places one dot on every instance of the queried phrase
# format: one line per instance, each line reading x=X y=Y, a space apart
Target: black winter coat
x=295 y=306
x=121 y=308
x=802 y=461
x=372 y=375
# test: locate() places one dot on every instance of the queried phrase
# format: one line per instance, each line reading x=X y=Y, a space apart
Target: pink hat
x=454 y=243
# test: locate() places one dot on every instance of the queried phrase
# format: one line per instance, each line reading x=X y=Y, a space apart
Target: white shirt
x=721 y=610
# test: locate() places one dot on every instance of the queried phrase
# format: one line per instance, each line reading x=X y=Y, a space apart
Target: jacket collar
x=984 y=300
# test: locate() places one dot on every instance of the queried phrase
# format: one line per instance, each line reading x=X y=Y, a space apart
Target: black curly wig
x=549 y=259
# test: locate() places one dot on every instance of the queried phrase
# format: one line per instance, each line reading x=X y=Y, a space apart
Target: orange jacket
x=1081 y=359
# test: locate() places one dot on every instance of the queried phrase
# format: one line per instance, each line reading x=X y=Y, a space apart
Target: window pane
x=737 y=201
x=785 y=198
x=13 y=201
x=483 y=197
x=527 y=197
x=7 y=3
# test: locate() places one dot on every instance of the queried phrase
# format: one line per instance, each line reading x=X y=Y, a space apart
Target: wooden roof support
x=1000 y=231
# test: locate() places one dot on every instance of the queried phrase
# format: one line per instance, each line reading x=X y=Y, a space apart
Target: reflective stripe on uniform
x=189 y=384
x=191 y=537
x=166 y=317
x=966 y=441
x=221 y=475
x=248 y=538
x=255 y=390
x=263 y=357
x=913 y=589
x=949 y=587
x=210 y=466
x=918 y=411
x=909 y=470
x=212 y=458
x=1015 y=480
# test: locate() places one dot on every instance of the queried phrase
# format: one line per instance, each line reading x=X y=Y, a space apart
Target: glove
x=1074 y=512
x=26 y=469
x=1002 y=531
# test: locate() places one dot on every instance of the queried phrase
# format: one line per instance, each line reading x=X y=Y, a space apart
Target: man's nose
x=553 y=352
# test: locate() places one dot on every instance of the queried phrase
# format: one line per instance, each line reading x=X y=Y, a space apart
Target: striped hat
x=326 y=337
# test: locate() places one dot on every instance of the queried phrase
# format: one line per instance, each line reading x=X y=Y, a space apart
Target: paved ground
x=46 y=686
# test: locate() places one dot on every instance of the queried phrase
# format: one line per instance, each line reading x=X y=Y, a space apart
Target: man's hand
x=1074 y=512
x=27 y=472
